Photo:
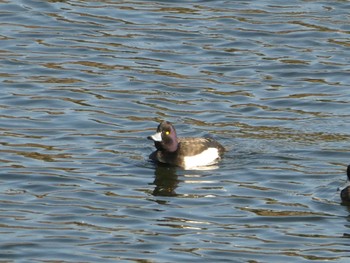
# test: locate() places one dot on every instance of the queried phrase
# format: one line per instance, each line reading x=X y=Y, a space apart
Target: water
x=83 y=83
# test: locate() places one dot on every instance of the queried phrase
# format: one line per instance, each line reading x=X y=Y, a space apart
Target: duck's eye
x=167 y=132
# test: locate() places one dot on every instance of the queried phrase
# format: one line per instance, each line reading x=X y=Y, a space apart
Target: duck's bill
x=156 y=137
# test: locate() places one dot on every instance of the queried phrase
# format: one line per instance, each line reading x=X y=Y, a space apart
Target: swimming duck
x=184 y=152
x=345 y=193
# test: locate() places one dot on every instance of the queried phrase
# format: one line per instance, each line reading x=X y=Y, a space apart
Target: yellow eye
x=167 y=132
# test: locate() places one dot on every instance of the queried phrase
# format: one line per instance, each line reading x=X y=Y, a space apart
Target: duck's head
x=165 y=138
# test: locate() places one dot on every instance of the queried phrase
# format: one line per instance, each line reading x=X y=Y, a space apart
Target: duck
x=188 y=152
x=345 y=193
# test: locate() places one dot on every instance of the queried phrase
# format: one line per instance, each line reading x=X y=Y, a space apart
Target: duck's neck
x=173 y=146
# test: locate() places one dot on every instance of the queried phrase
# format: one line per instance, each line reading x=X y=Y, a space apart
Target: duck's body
x=184 y=152
x=345 y=193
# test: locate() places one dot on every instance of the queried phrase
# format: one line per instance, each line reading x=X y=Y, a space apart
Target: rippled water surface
x=83 y=83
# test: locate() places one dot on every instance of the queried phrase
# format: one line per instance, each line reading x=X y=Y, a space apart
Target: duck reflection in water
x=345 y=193
x=166 y=181
x=167 y=178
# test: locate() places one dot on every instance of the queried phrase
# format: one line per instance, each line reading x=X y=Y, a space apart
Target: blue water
x=83 y=83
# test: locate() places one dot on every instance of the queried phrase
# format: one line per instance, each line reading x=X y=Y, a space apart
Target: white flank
x=345 y=185
x=207 y=157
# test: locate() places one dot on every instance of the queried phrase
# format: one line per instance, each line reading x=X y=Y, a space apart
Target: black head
x=348 y=172
x=165 y=137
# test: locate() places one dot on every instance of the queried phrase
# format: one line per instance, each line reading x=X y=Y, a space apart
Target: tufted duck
x=184 y=152
x=345 y=193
